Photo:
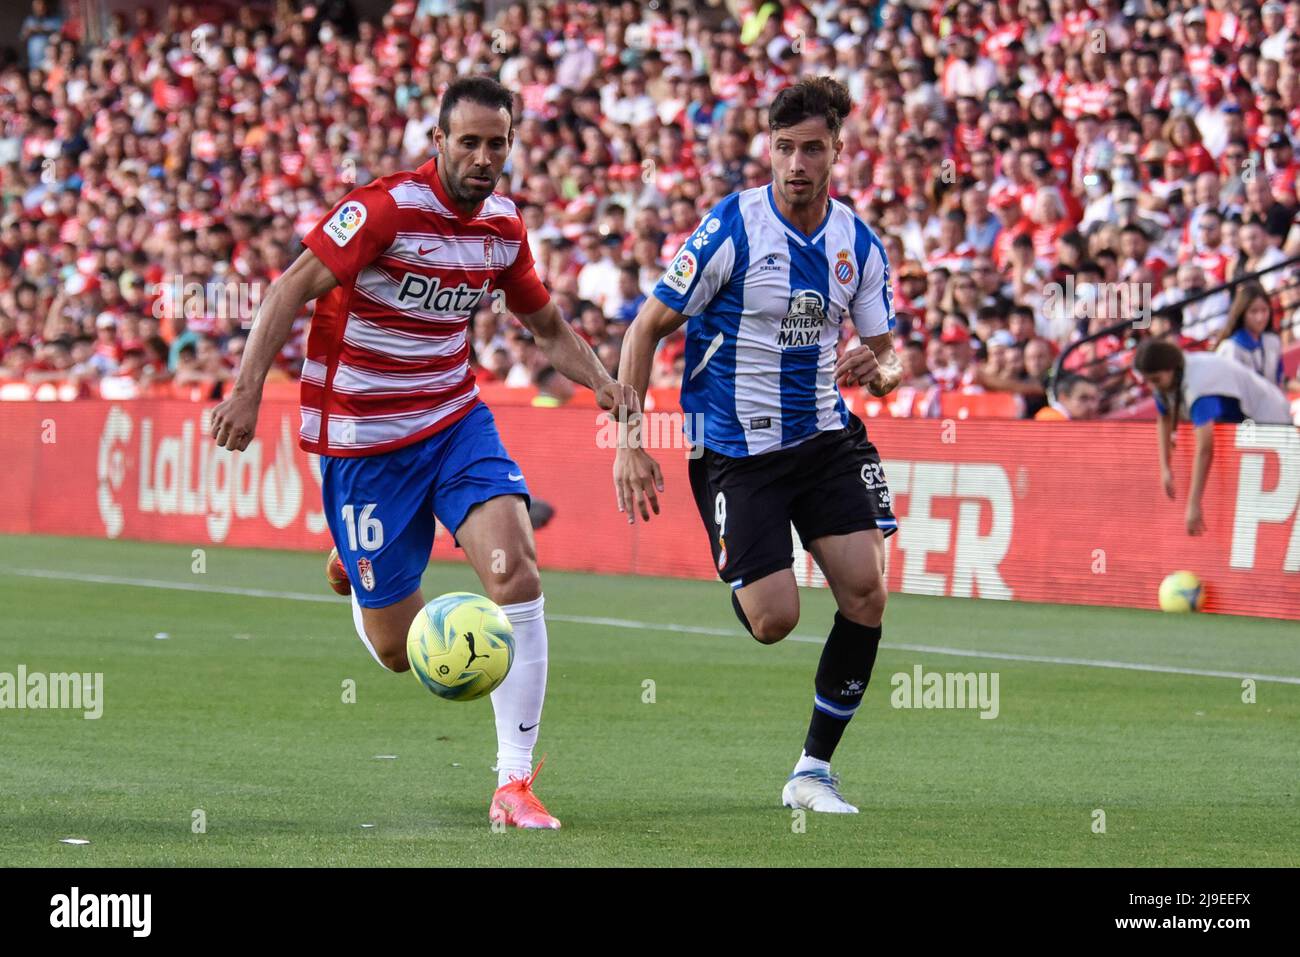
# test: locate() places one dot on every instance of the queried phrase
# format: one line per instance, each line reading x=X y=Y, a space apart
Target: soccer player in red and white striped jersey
x=389 y=401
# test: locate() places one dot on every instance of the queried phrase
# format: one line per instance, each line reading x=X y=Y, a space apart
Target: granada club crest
x=366 y=571
x=487 y=251
x=844 y=267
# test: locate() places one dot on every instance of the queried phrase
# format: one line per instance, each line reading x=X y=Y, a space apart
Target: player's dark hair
x=1161 y=355
x=482 y=90
x=814 y=96
x=1157 y=355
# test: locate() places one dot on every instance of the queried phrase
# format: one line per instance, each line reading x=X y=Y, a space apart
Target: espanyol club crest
x=367 y=573
x=844 y=267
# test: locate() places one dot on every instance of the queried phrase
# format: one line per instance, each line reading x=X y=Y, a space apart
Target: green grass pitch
x=239 y=714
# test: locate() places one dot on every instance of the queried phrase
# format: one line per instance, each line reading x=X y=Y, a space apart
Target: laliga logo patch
x=722 y=553
x=367 y=573
x=844 y=267
x=681 y=271
x=346 y=223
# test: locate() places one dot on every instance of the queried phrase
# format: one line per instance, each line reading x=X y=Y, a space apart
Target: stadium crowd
x=1030 y=165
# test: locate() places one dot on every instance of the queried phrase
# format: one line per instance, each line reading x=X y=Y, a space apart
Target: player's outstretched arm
x=235 y=420
x=874 y=364
x=1164 y=440
x=572 y=357
x=637 y=476
x=1200 y=474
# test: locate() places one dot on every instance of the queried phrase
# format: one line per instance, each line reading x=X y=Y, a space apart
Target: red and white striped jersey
x=388 y=356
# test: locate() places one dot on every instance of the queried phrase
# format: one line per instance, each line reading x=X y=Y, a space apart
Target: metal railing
x=1111 y=372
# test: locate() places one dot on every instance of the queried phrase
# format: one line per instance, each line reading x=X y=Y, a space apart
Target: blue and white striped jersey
x=765 y=305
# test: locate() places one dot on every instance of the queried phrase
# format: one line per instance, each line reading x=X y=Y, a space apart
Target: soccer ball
x=1181 y=591
x=460 y=646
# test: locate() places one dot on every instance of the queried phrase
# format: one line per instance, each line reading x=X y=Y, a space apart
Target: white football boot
x=817 y=791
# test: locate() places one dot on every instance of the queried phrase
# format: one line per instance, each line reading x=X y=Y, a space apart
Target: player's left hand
x=615 y=396
x=637 y=479
x=858 y=366
x=1195 y=520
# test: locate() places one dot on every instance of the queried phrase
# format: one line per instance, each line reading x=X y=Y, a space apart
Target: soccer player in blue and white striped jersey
x=765 y=286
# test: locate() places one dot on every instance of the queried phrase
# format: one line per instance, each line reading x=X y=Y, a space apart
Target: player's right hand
x=637 y=478
x=619 y=398
x=1167 y=480
x=234 y=421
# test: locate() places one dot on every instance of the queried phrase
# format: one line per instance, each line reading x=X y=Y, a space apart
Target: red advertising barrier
x=1061 y=511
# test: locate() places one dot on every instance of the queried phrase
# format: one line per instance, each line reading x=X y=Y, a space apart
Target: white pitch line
x=940 y=650
x=635 y=625
x=175 y=586
x=1094 y=663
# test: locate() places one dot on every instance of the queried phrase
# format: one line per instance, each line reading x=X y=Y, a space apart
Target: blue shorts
x=381 y=508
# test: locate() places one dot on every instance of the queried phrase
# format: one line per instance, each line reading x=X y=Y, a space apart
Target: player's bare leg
x=497 y=538
x=384 y=629
x=769 y=607
x=854 y=566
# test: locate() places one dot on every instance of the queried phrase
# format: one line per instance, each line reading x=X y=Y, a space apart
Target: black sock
x=740 y=612
x=847 y=659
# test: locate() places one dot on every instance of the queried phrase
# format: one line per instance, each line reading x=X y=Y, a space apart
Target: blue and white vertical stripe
x=766 y=305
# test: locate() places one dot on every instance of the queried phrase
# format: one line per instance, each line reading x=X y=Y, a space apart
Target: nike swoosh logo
x=514 y=478
x=526 y=730
x=425 y=252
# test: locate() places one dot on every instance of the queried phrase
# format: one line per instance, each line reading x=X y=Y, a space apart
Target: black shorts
x=832 y=484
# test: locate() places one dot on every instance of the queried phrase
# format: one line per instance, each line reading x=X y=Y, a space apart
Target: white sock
x=806 y=763
x=361 y=631
x=518 y=701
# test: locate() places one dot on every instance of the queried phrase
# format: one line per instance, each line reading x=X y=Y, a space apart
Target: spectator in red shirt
x=18 y=361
